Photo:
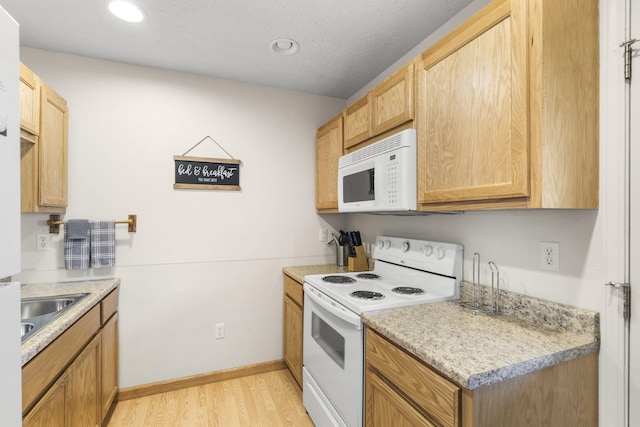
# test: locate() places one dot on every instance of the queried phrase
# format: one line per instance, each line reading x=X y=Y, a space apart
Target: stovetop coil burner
x=368 y=276
x=369 y=295
x=338 y=279
x=407 y=290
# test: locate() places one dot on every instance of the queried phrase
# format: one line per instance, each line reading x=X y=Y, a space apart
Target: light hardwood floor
x=270 y=399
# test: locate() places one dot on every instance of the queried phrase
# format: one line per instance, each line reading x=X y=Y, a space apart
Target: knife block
x=359 y=262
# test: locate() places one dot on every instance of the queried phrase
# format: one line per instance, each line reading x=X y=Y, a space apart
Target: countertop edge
x=297 y=273
x=529 y=366
x=97 y=290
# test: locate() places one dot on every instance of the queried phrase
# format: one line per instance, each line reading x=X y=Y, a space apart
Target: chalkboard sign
x=202 y=173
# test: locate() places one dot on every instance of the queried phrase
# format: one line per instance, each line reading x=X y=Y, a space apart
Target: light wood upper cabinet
x=357 y=122
x=44 y=164
x=328 y=151
x=392 y=102
x=53 y=149
x=508 y=109
x=472 y=119
x=29 y=105
x=388 y=105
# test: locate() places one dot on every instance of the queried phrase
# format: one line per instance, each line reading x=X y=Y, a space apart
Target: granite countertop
x=297 y=273
x=476 y=350
x=97 y=290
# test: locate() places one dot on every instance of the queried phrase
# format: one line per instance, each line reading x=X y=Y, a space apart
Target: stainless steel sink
x=43 y=306
x=38 y=312
x=25 y=328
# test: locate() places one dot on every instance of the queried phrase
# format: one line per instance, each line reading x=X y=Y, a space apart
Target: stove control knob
x=405 y=246
x=380 y=244
x=428 y=250
x=440 y=253
x=387 y=244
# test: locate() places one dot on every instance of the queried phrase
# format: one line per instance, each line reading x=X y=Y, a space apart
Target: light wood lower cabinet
x=109 y=364
x=401 y=390
x=386 y=407
x=83 y=389
x=293 y=330
x=73 y=381
x=51 y=410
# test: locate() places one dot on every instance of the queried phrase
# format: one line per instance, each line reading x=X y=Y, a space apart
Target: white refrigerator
x=10 y=366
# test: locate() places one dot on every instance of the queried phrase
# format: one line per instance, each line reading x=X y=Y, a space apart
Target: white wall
x=445 y=29
x=198 y=257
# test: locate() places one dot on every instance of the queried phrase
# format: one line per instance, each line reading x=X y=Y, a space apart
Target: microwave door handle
x=372 y=181
x=342 y=313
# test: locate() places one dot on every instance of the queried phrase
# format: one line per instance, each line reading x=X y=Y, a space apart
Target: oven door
x=333 y=357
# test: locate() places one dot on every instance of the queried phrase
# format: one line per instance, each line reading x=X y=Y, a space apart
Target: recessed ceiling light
x=285 y=46
x=126 y=11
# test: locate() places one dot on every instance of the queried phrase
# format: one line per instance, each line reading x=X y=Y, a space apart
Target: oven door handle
x=332 y=307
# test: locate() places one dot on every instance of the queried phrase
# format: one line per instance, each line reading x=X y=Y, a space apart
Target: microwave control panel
x=392 y=178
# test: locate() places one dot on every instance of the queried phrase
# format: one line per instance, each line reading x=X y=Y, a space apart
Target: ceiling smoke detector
x=126 y=11
x=285 y=46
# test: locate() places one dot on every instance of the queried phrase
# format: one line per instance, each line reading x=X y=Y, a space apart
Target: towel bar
x=54 y=223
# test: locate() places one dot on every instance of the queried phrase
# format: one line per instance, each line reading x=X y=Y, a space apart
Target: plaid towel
x=103 y=244
x=76 y=248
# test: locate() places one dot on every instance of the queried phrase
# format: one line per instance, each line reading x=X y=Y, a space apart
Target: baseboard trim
x=198 y=380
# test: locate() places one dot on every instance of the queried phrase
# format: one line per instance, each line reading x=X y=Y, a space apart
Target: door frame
x=614 y=181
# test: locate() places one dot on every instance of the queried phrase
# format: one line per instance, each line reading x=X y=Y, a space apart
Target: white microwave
x=380 y=177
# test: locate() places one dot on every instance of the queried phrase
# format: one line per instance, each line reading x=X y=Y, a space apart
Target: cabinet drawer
x=435 y=395
x=294 y=290
x=109 y=305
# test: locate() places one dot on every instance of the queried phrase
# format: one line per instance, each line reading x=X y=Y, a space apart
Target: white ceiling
x=344 y=44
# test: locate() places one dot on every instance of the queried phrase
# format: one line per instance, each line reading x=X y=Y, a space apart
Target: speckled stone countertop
x=298 y=273
x=97 y=290
x=476 y=350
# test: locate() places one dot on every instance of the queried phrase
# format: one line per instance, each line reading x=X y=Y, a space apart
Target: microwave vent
x=380 y=147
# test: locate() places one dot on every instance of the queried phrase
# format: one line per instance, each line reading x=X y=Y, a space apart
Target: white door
x=634 y=154
x=620 y=211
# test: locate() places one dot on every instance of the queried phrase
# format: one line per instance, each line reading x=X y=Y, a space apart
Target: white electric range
x=406 y=272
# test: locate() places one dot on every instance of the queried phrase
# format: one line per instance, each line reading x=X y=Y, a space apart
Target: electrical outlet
x=219 y=331
x=43 y=242
x=550 y=256
x=323 y=235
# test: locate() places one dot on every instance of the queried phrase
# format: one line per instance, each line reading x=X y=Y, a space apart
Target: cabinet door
x=357 y=122
x=109 y=366
x=83 y=404
x=392 y=101
x=51 y=409
x=328 y=152
x=29 y=104
x=53 y=149
x=293 y=338
x=473 y=128
x=385 y=407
